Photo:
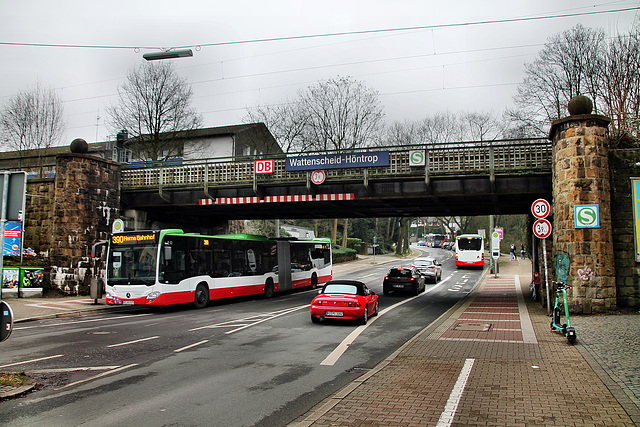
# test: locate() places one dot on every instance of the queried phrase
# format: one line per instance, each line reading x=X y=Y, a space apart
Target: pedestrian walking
x=513 y=252
x=522 y=250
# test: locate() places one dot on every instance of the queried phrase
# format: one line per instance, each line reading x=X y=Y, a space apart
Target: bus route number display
x=133 y=239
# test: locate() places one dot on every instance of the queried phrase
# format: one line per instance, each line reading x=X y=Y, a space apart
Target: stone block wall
x=38 y=219
x=625 y=164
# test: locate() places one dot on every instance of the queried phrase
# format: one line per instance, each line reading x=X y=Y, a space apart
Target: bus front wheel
x=202 y=296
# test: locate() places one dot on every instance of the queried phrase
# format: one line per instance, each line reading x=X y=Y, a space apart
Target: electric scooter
x=566 y=328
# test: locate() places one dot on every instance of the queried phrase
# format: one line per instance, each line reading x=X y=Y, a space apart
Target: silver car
x=428 y=267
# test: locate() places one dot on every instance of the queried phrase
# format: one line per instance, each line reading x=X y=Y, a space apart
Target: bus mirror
x=167 y=253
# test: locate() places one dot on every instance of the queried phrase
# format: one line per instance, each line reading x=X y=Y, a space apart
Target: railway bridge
x=464 y=178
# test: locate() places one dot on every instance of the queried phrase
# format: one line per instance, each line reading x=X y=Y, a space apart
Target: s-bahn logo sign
x=417 y=158
x=338 y=161
x=586 y=216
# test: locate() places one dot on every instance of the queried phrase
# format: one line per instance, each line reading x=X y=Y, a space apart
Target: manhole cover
x=473 y=327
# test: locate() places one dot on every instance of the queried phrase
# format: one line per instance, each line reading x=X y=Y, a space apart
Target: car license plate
x=398 y=286
x=334 y=313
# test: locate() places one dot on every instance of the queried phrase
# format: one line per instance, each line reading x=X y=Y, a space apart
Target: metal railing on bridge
x=480 y=158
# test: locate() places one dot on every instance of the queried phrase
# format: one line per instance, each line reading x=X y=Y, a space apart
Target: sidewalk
x=492 y=360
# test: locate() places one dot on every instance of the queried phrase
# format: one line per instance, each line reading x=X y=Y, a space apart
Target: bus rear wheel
x=202 y=296
x=268 y=289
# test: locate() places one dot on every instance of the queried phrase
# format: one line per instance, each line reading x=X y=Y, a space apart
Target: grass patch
x=14 y=379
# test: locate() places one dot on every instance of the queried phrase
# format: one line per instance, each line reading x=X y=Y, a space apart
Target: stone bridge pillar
x=583 y=257
x=86 y=201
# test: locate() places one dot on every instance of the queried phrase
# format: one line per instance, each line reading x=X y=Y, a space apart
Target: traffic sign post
x=542 y=229
x=495 y=250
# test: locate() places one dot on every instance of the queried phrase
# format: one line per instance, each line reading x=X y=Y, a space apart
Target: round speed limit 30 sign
x=542 y=228
x=540 y=208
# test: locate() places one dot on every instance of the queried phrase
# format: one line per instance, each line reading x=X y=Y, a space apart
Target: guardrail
x=487 y=158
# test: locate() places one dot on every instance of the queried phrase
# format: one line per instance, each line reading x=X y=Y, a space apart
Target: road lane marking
x=77 y=369
x=113 y=371
x=79 y=321
x=32 y=360
x=191 y=346
x=247 y=322
x=333 y=357
x=132 y=342
x=268 y=318
x=446 y=418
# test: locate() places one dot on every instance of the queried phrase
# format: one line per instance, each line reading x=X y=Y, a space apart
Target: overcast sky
x=467 y=55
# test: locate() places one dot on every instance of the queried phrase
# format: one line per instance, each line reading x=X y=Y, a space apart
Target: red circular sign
x=318 y=177
x=540 y=208
x=542 y=228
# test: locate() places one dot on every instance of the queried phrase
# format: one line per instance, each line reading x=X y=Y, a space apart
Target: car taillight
x=354 y=304
x=386 y=277
x=413 y=279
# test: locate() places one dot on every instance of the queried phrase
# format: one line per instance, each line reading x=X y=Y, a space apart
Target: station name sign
x=338 y=161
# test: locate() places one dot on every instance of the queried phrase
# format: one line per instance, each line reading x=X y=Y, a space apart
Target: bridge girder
x=454 y=196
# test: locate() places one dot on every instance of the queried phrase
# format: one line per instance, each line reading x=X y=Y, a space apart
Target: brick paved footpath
x=491 y=360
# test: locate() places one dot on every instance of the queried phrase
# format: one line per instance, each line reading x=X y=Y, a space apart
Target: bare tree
x=564 y=68
x=154 y=105
x=619 y=85
x=481 y=126
x=341 y=114
x=32 y=119
x=285 y=122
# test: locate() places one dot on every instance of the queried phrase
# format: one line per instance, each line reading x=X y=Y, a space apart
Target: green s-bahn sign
x=586 y=216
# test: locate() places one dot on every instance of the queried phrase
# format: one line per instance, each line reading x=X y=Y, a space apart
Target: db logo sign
x=264 y=166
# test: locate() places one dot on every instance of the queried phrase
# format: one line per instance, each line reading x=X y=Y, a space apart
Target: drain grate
x=473 y=327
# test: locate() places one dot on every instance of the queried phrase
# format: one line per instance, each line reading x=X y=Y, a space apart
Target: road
x=235 y=363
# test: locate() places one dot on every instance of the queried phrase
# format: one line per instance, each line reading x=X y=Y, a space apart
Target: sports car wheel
x=363 y=320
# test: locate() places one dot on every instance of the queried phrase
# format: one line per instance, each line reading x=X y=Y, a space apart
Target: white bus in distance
x=470 y=250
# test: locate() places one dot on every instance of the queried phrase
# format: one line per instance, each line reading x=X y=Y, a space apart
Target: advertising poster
x=635 y=190
x=12 y=238
x=32 y=278
x=10 y=278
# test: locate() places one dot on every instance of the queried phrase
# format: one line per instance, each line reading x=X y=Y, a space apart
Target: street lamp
x=168 y=54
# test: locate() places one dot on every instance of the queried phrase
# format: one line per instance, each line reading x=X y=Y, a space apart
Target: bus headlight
x=153 y=295
x=108 y=295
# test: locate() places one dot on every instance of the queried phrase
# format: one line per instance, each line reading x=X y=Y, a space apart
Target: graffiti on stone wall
x=585 y=273
x=562 y=263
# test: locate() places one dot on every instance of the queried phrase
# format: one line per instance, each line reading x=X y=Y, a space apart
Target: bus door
x=284 y=265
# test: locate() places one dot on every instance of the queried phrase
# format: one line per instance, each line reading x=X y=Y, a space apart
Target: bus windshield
x=470 y=244
x=132 y=265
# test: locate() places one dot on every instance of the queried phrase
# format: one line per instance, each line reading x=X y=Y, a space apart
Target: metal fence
x=492 y=158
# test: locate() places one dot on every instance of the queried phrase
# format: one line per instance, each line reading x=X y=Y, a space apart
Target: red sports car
x=344 y=299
